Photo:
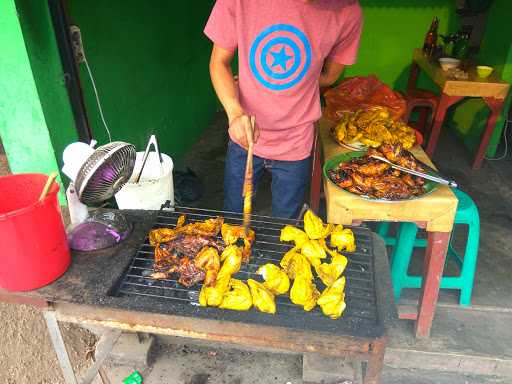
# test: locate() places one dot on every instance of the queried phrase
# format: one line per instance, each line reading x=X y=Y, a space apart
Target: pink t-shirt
x=282 y=46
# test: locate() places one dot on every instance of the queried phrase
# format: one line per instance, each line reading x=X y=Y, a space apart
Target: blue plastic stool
x=405 y=241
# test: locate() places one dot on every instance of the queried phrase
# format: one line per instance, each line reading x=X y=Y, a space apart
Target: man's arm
x=226 y=89
x=330 y=73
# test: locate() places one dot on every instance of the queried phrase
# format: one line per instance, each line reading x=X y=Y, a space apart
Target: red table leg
x=316 y=176
x=413 y=76
x=495 y=106
x=432 y=272
x=444 y=103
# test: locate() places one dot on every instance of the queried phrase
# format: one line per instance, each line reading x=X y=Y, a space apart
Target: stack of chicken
x=311 y=252
x=373 y=127
x=373 y=178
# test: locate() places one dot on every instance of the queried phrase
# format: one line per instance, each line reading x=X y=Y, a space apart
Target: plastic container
x=154 y=188
x=33 y=242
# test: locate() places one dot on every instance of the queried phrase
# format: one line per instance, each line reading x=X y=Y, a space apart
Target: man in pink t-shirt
x=287 y=50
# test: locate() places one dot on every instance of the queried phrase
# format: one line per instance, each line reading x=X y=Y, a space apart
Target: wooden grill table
x=84 y=295
x=434 y=212
x=492 y=90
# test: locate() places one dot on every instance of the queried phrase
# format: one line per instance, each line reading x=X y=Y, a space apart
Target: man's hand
x=243 y=133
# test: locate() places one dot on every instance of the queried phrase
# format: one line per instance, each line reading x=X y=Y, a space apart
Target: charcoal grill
x=360 y=319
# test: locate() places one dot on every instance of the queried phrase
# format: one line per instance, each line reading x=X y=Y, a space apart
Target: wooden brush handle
x=47 y=186
x=247 y=191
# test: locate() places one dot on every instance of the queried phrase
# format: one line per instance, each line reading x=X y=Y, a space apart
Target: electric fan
x=96 y=175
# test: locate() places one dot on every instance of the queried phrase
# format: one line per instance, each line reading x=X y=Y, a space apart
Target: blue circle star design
x=280 y=58
x=283 y=53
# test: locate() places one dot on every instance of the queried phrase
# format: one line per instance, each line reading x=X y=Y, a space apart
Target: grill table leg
x=433 y=271
x=375 y=362
x=60 y=347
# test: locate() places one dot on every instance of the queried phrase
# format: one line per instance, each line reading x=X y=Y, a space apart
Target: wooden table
x=434 y=212
x=492 y=90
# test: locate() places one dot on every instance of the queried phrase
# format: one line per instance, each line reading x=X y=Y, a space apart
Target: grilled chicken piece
x=231 y=234
x=373 y=168
x=165 y=259
x=207 y=228
x=190 y=245
x=189 y=274
x=208 y=260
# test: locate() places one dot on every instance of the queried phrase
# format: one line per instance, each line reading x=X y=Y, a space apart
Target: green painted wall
x=48 y=73
x=23 y=127
x=150 y=62
x=392 y=29
x=469 y=119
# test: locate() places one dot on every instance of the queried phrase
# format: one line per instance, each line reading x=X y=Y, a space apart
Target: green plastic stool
x=405 y=241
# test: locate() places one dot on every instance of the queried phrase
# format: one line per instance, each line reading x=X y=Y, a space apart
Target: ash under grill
x=360 y=318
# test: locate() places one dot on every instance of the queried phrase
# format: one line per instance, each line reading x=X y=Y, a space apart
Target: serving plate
x=333 y=162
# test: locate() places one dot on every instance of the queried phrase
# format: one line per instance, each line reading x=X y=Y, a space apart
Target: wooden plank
x=215 y=330
x=436 y=209
x=474 y=86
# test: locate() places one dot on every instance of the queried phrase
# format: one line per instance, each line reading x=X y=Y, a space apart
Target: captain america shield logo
x=280 y=57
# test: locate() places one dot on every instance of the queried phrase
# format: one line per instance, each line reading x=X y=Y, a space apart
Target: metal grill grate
x=360 y=289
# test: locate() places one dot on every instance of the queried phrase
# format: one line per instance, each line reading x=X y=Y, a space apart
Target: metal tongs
x=152 y=142
x=437 y=179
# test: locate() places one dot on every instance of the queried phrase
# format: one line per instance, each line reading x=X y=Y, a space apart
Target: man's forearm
x=330 y=73
x=226 y=89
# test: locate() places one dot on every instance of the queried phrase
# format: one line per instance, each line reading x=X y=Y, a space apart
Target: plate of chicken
x=358 y=173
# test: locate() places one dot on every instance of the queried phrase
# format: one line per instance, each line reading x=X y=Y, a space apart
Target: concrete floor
x=191 y=364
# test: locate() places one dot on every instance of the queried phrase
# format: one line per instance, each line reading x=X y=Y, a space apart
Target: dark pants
x=289 y=180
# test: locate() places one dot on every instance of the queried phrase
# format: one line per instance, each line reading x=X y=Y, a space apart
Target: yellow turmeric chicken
x=291 y=233
x=212 y=296
x=314 y=226
x=304 y=292
x=275 y=278
x=238 y=296
x=262 y=298
x=294 y=264
x=343 y=239
x=314 y=251
x=332 y=299
x=231 y=259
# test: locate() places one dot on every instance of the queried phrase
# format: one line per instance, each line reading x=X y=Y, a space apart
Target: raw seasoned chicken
x=332 y=299
x=291 y=233
x=238 y=296
x=275 y=278
x=262 y=298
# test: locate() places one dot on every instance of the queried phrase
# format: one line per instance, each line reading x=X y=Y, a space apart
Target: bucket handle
x=152 y=142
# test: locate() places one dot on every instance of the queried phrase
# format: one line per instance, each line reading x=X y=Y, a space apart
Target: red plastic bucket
x=33 y=244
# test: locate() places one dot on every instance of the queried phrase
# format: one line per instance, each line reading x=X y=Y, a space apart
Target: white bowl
x=448 y=63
